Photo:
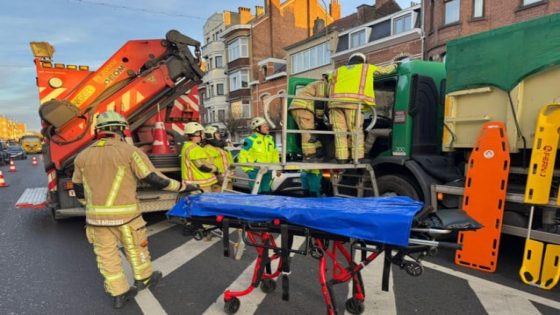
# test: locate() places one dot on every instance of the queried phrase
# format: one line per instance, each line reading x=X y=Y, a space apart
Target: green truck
x=430 y=114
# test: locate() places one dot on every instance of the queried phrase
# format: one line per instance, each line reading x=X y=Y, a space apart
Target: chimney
x=366 y=12
x=244 y=15
x=334 y=9
x=318 y=25
x=259 y=10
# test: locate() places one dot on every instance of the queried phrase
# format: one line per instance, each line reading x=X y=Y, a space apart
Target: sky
x=88 y=32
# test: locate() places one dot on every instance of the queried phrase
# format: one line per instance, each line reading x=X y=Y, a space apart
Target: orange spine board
x=485 y=198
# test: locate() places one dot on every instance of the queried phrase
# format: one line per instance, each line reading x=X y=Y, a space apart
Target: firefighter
x=214 y=147
x=196 y=166
x=106 y=175
x=259 y=148
x=305 y=112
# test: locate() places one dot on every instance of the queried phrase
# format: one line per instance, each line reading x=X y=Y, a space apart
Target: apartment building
x=449 y=19
x=214 y=88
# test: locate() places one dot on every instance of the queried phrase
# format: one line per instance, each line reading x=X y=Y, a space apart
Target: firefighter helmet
x=110 y=119
x=210 y=131
x=193 y=127
x=357 y=58
x=257 y=122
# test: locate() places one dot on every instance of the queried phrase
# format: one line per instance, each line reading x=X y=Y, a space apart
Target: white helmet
x=357 y=58
x=210 y=131
x=193 y=127
x=257 y=122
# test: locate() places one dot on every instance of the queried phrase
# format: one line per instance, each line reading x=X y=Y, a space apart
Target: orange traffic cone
x=34 y=161
x=12 y=166
x=2 y=181
x=160 y=145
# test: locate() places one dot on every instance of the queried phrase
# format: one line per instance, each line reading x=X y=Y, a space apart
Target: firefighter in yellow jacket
x=106 y=176
x=196 y=166
x=350 y=83
x=304 y=113
x=259 y=148
x=214 y=147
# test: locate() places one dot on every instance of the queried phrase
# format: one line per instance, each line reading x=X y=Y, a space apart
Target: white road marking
x=377 y=301
x=499 y=291
x=159 y=227
x=166 y=264
x=250 y=302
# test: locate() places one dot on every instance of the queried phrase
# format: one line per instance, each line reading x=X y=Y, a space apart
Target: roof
x=368 y=13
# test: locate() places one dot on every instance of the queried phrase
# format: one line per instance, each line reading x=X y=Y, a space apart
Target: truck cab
x=403 y=140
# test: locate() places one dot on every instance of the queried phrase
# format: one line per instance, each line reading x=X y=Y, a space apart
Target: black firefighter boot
x=120 y=300
x=152 y=281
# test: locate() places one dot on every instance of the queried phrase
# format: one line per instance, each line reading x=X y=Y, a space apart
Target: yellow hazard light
x=59 y=65
x=439 y=196
x=84 y=68
x=46 y=64
x=71 y=67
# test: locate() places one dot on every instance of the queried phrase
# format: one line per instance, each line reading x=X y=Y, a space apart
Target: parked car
x=4 y=156
x=16 y=152
x=287 y=182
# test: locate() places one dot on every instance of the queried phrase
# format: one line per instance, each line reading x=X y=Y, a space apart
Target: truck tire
x=395 y=185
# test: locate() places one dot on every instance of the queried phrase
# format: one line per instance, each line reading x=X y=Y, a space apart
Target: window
x=246 y=109
x=220 y=89
x=452 y=11
x=527 y=2
x=380 y=30
x=239 y=48
x=357 y=38
x=211 y=91
x=478 y=8
x=221 y=115
x=238 y=80
x=219 y=61
x=311 y=58
x=210 y=65
x=402 y=24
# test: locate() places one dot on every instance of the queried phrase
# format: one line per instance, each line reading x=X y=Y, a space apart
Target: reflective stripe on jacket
x=189 y=171
x=352 y=83
x=109 y=171
x=258 y=148
x=220 y=157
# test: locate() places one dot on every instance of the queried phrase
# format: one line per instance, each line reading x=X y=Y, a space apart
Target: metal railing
x=284 y=122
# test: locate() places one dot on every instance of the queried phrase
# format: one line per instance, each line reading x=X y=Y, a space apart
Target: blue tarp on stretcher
x=378 y=219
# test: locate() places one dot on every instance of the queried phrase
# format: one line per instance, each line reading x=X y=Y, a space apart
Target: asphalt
x=48 y=267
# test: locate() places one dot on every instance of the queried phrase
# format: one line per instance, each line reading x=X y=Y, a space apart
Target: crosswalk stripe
x=250 y=302
x=166 y=264
x=496 y=302
x=377 y=300
x=159 y=227
x=501 y=290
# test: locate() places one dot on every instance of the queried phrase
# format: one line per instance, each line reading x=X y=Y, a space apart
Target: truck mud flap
x=35 y=198
x=534 y=270
x=485 y=198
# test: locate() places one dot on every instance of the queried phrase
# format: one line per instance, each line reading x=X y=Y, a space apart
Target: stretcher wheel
x=355 y=306
x=268 y=285
x=232 y=306
x=413 y=268
x=198 y=235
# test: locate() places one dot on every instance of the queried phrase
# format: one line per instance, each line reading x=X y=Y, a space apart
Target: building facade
x=214 y=88
x=10 y=129
x=449 y=19
x=269 y=66
x=391 y=34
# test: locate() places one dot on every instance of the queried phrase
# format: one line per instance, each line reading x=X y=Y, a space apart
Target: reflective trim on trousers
x=136 y=256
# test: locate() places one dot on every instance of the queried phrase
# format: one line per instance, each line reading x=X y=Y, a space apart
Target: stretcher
x=344 y=233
